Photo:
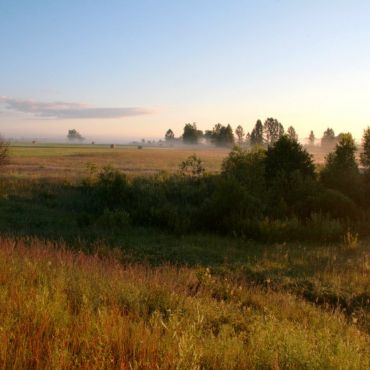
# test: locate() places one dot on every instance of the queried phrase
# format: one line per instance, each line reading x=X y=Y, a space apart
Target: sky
x=131 y=69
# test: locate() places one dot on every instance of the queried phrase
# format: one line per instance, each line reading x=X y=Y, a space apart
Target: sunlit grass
x=57 y=161
x=63 y=309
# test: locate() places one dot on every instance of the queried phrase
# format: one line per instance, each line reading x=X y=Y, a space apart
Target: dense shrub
x=248 y=168
x=112 y=188
x=229 y=207
x=286 y=158
x=341 y=170
x=261 y=194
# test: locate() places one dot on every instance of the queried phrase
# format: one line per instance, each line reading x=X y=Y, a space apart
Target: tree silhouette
x=169 y=136
x=286 y=158
x=74 y=135
x=239 y=131
x=191 y=134
x=256 y=137
x=328 y=138
x=273 y=130
x=365 y=155
x=311 y=138
x=292 y=134
x=341 y=170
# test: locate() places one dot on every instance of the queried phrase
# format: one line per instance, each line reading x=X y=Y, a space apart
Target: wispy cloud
x=65 y=110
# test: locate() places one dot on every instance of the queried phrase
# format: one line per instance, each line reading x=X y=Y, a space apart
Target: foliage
x=328 y=138
x=341 y=170
x=221 y=135
x=287 y=157
x=74 y=135
x=257 y=134
x=169 y=136
x=229 y=207
x=273 y=130
x=292 y=134
x=239 y=131
x=311 y=138
x=191 y=134
x=248 y=168
x=192 y=166
x=365 y=154
x=112 y=188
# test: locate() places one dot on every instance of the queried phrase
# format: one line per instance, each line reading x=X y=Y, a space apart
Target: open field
x=98 y=296
x=71 y=161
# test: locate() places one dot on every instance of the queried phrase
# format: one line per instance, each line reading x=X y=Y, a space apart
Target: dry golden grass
x=65 y=310
x=71 y=162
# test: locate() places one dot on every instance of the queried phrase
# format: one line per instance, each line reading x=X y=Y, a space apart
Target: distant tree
x=292 y=134
x=248 y=138
x=311 y=138
x=4 y=151
x=200 y=134
x=365 y=154
x=192 y=166
x=191 y=134
x=227 y=136
x=221 y=135
x=169 y=136
x=239 y=131
x=328 y=138
x=273 y=130
x=74 y=135
x=256 y=137
x=341 y=170
x=208 y=135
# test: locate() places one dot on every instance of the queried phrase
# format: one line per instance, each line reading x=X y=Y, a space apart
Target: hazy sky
x=133 y=69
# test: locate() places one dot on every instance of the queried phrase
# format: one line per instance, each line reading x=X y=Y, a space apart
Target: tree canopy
x=256 y=137
x=74 y=135
x=169 y=136
x=273 y=130
x=292 y=134
x=239 y=131
x=191 y=134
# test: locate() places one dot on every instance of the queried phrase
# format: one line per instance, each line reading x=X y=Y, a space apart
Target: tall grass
x=61 y=309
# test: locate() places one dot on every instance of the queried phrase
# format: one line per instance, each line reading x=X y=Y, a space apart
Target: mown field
x=76 y=295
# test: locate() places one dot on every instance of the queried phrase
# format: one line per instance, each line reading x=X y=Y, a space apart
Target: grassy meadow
x=88 y=296
x=71 y=161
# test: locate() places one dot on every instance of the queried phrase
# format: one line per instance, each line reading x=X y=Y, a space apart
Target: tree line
x=271 y=193
x=266 y=133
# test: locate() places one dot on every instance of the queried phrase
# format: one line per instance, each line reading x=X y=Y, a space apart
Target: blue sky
x=132 y=69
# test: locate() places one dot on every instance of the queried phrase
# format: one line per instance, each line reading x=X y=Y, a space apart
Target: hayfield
x=73 y=161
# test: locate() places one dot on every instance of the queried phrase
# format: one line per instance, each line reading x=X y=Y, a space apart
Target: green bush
x=341 y=170
x=268 y=195
x=248 y=168
x=112 y=188
x=115 y=219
